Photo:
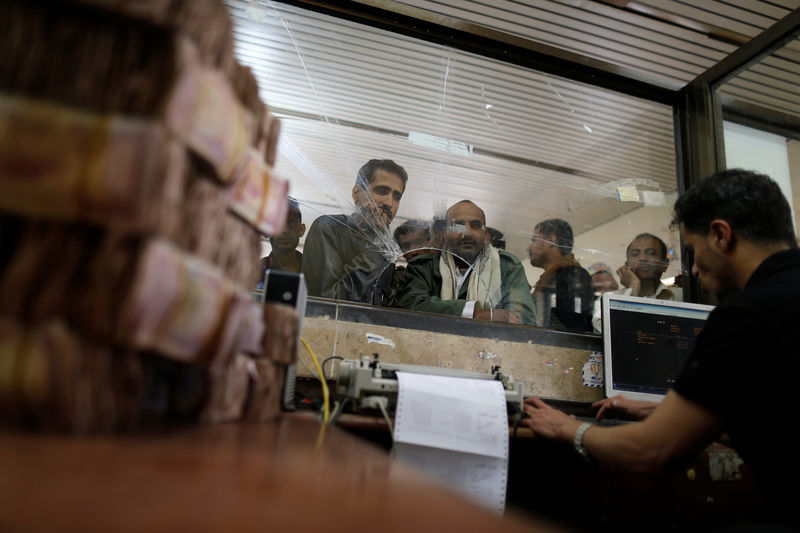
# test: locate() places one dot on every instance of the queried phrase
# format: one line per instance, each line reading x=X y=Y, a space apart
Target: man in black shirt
x=740 y=377
x=564 y=295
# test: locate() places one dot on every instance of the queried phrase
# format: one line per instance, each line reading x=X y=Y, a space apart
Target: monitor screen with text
x=647 y=342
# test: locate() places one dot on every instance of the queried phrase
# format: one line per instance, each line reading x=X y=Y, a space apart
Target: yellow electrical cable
x=326 y=401
x=320 y=438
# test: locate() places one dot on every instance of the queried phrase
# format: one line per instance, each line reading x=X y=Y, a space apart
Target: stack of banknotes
x=136 y=186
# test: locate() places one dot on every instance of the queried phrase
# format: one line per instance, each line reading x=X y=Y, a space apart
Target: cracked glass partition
x=435 y=180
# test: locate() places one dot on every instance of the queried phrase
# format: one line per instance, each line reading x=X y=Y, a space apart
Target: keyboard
x=584 y=412
x=604 y=421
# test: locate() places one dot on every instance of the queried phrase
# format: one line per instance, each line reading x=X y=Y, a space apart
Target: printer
x=371 y=384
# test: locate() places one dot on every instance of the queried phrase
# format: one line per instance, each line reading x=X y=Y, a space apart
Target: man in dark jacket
x=564 y=294
x=741 y=375
x=471 y=278
x=351 y=257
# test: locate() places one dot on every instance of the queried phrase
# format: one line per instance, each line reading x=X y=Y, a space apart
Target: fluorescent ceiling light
x=439 y=143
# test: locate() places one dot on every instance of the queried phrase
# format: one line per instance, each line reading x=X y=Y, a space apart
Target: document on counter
x=456 y=430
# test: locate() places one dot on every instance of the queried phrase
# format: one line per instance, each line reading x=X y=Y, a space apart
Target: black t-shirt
x=745 y=368
x=568 y=301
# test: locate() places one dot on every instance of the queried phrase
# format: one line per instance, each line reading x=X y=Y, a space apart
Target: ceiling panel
x=674 y=40
x=596 y=30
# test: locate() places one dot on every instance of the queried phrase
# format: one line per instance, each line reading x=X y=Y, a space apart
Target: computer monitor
x=646 y=342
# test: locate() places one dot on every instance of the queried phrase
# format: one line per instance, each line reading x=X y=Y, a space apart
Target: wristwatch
x=578 y=441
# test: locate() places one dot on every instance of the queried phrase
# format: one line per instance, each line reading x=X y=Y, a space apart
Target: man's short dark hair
x=750 y=202
x=294 y=205
x=409 y=226
x=562 y=231
x=366 y=174
x=497 y=238
x=664 y=249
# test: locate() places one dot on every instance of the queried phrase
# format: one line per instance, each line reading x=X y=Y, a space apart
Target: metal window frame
x=697 y=110
x=699 y=113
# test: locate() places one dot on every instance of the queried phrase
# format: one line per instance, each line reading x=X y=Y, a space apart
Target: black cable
x=328 y=359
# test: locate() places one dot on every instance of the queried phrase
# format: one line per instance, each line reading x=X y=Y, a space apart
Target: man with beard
x=564 y=294
x=740 y=378
x=349 y=257
x=472 y=278
x=646 y=261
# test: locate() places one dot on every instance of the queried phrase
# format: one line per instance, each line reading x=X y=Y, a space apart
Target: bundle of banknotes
x=210 y=230
x=51 y=377
x=60 y=163
x=132 y=172
x=270 y=372
x=266 y=392
x=54 y=378
x=206 y=23
x=77 y=55
x=108 y=55
x=252 y=385
x=136 y=186
x=139 y=293
x=119 y=66
x=229 y=389
x=180 y=310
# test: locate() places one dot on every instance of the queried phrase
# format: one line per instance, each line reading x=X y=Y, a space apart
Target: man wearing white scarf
x=483 y=289
x=471 y=278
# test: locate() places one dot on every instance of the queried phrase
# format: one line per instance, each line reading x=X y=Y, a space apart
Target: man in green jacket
x=471 y=279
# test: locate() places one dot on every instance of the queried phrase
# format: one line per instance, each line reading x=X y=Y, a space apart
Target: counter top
x=283 y=475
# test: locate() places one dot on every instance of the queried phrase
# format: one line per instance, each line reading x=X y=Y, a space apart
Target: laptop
x=646 y=343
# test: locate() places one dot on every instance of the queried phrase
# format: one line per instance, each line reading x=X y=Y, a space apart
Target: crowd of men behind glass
x=456 y=265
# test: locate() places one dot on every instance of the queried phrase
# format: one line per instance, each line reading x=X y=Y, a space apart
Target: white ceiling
x=543 y=146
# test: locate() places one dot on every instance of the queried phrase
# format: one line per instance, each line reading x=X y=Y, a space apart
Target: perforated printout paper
x=456 y=430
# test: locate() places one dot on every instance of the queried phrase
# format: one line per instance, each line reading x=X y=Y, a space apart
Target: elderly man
x=472 y=278
x=739 y=227
x=564 y=293
x=348 y=257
